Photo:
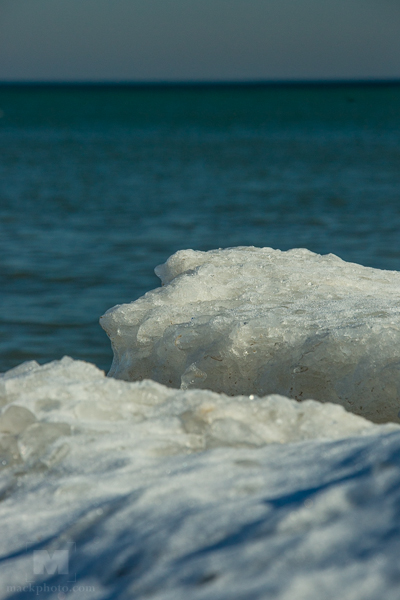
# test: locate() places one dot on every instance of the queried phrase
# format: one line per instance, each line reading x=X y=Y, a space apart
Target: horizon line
x=202 y=83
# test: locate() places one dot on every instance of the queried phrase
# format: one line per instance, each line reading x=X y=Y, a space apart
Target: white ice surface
x=175 y=494
x=261 y=321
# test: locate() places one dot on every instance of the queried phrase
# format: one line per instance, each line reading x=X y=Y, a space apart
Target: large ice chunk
x=261 y=321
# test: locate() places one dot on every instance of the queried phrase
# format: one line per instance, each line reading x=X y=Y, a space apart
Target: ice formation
x=136 y=489
x=43 y=404
x=165 y=493
x=261 y=321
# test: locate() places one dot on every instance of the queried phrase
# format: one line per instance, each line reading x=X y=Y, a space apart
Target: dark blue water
x=98 y=186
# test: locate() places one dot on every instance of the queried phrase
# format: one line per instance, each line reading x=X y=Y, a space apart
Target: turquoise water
x=98 y=185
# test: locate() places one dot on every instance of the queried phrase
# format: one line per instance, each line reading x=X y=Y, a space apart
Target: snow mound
x=115 y=489
x=44 y=405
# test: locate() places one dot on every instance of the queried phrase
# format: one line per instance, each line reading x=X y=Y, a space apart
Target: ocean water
x=99 y=185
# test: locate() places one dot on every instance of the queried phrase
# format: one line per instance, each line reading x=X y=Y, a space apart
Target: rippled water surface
x=99 y=185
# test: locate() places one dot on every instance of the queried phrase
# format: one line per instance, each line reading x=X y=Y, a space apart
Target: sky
x=199 y=40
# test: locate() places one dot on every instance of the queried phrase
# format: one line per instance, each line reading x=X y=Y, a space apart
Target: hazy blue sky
x=198 y=39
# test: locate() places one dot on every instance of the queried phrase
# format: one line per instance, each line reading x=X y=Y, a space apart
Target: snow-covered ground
x=132 y=489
